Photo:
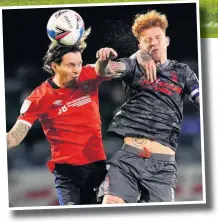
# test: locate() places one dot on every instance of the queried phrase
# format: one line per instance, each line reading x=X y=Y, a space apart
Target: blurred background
x=25 y=44
x=209 y=18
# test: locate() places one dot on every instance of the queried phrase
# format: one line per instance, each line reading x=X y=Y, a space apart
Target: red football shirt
x=70 y=119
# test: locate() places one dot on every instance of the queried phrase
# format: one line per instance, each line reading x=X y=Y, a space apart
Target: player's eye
x=147 y=40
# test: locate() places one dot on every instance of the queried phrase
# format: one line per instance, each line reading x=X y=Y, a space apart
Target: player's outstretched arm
x=105 y=66
x=16 y=135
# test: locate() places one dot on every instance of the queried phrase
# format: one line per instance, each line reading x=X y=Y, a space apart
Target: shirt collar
x=163 y=66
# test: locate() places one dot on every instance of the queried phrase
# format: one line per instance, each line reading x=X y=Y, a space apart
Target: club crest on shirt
x=174 y=76
x=86 y=86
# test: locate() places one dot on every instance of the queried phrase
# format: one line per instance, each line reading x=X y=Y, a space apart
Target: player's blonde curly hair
x=149 y=20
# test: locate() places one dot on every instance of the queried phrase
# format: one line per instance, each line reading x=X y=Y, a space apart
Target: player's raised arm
x=105 y=66
x=108 y=68
x=16 y=135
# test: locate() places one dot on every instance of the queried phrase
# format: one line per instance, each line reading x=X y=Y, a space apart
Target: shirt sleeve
x=191 y=84
x=31 y=108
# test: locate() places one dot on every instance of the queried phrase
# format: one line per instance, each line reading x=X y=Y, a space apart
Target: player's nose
x=153 y=42
x=75 y=74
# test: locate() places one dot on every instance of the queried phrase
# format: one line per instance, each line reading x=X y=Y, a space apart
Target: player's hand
x=106 y=54
x=147 y=64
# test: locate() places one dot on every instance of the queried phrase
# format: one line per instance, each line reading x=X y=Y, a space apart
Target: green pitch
x=51 y=2
x=208 y=11
x=209 y=18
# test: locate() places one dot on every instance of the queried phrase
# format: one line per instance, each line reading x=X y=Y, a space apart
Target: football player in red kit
x=68 y=108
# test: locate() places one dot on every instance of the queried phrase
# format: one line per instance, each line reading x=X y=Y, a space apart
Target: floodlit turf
x=51 y=2
x=209 y=32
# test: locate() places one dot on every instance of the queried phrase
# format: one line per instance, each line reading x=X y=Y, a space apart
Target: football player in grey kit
x=147 y=126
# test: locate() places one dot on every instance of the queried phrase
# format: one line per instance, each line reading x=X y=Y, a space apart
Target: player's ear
x=139 y=43
x=54 y=66
x=168 y=40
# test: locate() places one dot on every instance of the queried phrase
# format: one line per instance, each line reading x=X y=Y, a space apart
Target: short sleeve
x=31 y=108
x=191 y=84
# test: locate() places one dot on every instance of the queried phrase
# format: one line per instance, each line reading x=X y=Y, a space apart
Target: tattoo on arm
x=110 y=68
x=115 y=69
x=17 y=134
x=139 y=142
x=143 y=57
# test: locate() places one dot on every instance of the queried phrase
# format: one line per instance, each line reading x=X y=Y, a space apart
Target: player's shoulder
x=89 y=68
x=40 y=90
x=88 y=72
x=179 y=65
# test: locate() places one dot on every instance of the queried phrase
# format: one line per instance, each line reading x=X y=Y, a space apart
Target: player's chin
x=155 y=56
x=75 y=78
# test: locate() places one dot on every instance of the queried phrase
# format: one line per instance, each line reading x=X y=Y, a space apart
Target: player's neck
x=162 y=60
x=62 y=84
x=58 y=81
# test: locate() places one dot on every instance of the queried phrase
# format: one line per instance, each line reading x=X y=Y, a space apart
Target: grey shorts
x=135 y=178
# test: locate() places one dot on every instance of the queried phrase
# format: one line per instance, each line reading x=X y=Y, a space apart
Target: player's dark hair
x=55 y=53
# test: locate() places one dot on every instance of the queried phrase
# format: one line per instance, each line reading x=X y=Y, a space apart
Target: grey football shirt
x=155 y=110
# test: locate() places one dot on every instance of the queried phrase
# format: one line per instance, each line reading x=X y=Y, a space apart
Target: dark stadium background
x=26 y=42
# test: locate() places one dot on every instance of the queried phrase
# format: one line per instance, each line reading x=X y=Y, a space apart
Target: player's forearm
x=146 y=64
x=16 y=135
x=110 y=68
x=11 y=141
x=100 y=67
x=142 y=57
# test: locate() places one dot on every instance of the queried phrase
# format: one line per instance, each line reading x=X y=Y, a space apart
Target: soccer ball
x=65 y=27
